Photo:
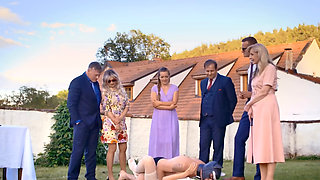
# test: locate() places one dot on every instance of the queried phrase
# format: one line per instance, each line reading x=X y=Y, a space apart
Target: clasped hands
x=116 y=120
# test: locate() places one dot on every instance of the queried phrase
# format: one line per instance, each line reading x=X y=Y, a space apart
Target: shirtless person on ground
x=178 y=167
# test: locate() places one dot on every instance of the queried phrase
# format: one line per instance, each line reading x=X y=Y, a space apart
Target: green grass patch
x=291 y=169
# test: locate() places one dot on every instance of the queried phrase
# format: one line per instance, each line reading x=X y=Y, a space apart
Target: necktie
x=210 y=84
x=96 y=91
x=250 y=78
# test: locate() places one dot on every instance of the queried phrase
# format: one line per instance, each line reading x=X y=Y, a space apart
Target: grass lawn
x=291 y=169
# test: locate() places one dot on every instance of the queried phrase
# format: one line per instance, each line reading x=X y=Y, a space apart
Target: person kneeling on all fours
x=149 y=168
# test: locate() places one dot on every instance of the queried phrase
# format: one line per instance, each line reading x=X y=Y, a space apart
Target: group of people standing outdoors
x=260 y=122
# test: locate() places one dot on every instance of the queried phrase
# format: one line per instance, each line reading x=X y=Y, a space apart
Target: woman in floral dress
x=115 y=106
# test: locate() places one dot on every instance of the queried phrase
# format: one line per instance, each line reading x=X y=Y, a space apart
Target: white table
x=16 y=152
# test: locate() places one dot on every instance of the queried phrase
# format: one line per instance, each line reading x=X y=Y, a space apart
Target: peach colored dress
x=265 y=140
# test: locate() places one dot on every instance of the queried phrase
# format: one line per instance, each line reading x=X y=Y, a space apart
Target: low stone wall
x=39 y=124
x=299 y=138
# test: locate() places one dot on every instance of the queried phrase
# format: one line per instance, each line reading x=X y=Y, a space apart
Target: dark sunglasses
x=112 y=80
x=243 y=49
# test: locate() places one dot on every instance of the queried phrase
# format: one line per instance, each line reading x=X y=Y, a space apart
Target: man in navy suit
x=217 y=105
x=244 y=124
x=84 y=106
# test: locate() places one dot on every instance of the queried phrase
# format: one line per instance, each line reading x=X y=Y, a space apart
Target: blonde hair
x=263 y=55
x=108 y=74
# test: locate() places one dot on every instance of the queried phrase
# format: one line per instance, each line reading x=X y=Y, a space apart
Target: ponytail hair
x=162 y=69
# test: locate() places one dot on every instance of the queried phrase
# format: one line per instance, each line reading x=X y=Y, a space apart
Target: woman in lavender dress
x=164 y=132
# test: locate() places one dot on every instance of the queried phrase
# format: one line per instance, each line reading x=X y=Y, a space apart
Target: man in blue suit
x=217 y=105
x=244 y=124
x=84 y=106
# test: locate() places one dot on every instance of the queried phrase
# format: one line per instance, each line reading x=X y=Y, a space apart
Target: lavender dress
x=164 y=132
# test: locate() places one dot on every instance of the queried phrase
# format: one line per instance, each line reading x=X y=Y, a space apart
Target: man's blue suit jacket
x=82 y=103
x=218 y=103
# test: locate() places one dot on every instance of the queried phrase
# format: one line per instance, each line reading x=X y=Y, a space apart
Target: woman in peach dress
x=265 y=142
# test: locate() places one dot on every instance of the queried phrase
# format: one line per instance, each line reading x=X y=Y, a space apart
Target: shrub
x=58 y=151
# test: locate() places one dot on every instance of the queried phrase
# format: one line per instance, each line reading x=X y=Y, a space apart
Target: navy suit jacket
x=218 y=103
x=82 y=103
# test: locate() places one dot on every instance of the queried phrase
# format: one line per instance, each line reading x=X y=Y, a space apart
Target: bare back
x=175 y=165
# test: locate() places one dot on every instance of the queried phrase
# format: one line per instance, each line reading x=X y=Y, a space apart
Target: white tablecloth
x=16 y=152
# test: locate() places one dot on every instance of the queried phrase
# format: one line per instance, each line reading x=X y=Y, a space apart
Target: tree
x=62 y=94
x=29 y=97
x=134 y=46
x=300 y=33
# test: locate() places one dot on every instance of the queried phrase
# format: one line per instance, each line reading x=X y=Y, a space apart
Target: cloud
x=81 y=27
x=54 y=67
x=7 y=86
x=5 y=42
x=8 y=16
x=85 y=28
x=14 y=3
x=57 y=25
x=24 y=32
x=112 y=28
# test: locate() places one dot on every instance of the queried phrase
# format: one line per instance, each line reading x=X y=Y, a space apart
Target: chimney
x=289 y=58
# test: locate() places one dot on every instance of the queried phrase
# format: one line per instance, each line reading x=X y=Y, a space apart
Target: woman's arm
x=174 y=100
x=160 y=104
x=262 y=93
x=172 y=106
x=175 y=97
x=124 y=112
x=115 y=120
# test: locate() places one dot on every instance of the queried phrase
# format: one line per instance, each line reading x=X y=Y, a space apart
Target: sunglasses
x=112 y=80
x=243 y=49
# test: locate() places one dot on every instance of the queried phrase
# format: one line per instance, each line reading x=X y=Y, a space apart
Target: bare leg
x=263 y=171
x=132 y=166
x=270 y=170
x=146 y=165
x=112 y=147
x=122 y=155
x=146 y=169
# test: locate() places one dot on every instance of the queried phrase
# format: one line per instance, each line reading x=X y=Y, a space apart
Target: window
x=129 y=92
x=198 y=88
x=244 y=82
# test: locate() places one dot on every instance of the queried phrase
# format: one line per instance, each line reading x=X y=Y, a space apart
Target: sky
x=45 y=44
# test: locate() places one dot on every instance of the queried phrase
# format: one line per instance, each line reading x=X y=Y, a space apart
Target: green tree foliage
x=134 y=46
x=63 y=94
x=58 y=151
x=29 y=97
x=300 y=33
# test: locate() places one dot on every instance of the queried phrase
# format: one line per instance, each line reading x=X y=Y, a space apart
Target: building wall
x=298 y=98
x=177 y=79
x=140 y=84
x=224 y=71
x=310 y=62
x=299 y=139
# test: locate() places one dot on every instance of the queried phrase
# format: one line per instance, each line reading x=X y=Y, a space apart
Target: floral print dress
x=115 y=103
